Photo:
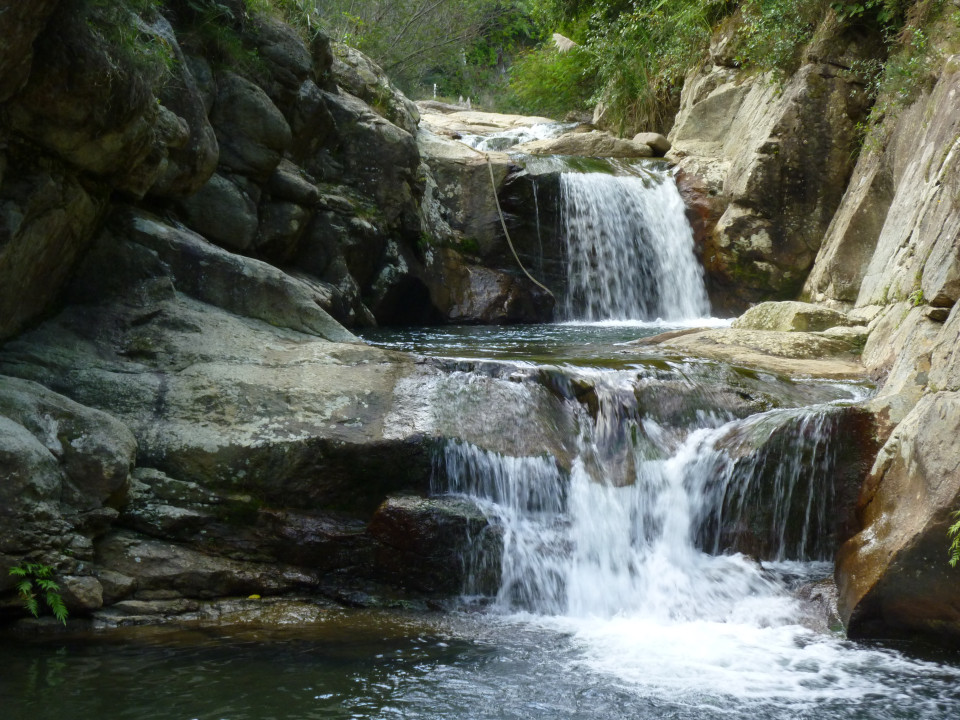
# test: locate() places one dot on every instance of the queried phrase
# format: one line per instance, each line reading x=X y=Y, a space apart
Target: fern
x=39 y=577
x=953 y=532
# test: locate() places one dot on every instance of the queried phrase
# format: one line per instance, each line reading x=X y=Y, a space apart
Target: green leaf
x=55 y=603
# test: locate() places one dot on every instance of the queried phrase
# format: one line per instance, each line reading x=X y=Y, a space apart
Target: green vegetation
x=953 y=533
x=36 y=579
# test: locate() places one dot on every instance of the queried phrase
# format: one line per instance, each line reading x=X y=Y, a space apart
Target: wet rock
x=466 y=292
x=893 y=575
x=425 y=543
x=252 y=132
x=820 y=600
x=817 y=459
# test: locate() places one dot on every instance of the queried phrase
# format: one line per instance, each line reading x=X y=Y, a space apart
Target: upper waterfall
x=629 y=248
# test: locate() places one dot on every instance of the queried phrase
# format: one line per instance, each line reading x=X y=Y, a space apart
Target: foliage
x=547 y=82
x=414 y=39
x=121 y=30
x=37 y=579
x=953 y=532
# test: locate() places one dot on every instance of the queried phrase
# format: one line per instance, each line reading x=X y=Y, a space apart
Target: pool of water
x=369 y=664
x=605 y=344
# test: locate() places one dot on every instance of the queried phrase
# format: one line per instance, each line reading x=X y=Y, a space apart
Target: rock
x=820 y=598
x=819 y=458
x=61 y=463
x=81 y=594
x=287 y=59
x=19 y=26
x=464 y=195
x=191 y=160
x=469 y=293
x=474 y=122
x=596 y=143
x=290 y=182
x=655 y=141
x=242 y=285
x=793 y=353
x=893 y=575
x=426 y=543
x=790 y=317
x=107 y=129
x=175 y=571
x=894 y=237
x=47 y=220
x=779 y=157
x=360 y=76
x=281 y=226
x=379 y=159
x=253 y=134
x=223 y=212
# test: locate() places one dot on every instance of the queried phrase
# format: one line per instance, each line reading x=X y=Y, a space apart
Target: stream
x=661 y=519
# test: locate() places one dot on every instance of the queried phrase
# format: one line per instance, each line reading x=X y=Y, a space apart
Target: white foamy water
x=630 y=249
x=612 y=555
x=506 y=139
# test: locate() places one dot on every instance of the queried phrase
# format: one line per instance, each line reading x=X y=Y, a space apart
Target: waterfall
x=638 y=523
x=629 y=248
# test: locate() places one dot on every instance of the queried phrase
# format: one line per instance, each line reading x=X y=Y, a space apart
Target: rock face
x=180 y=418
x=774 y=160
x=890 y=258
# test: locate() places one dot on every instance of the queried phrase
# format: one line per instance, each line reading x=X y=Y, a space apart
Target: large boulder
x=893 y=575
x=428 y=543
x=64 y=470
x=47 y=220
x=894 y=237
x=777 y=156
x=109 y=129
x=253 y=134
x=790 y=317
x=466 y=292
x=360 y=76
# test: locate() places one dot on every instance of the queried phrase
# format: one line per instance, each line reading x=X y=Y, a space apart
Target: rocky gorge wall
x=185 y=235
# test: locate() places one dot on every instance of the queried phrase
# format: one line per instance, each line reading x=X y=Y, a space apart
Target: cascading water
x=630 y=249
x=627 y=530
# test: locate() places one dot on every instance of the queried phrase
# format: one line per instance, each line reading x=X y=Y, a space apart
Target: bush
x=548 y=82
